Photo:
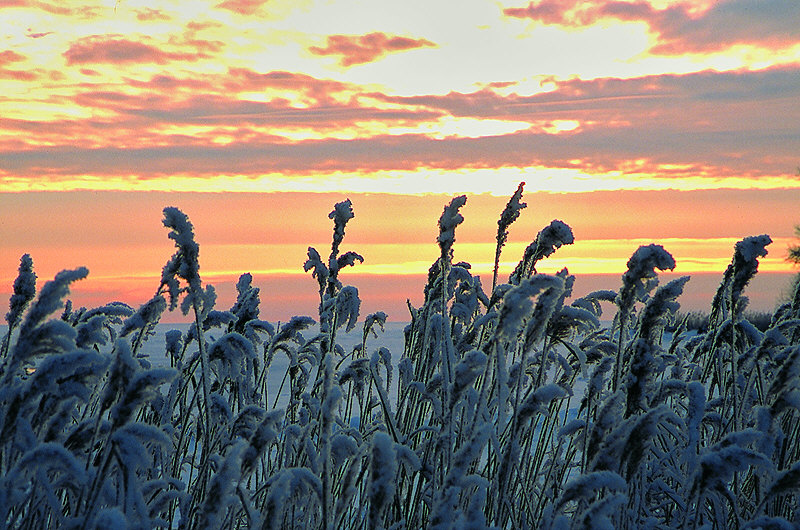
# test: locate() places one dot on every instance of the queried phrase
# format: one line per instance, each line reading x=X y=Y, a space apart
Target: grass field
x=473 y=424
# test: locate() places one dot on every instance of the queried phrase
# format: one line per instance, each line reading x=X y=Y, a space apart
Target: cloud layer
x=233 y=91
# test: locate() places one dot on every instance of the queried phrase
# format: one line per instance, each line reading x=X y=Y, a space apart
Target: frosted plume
x=24 y=291
x=548 y=240
x=383 y=468
x=448 y=222
x=518 y=304
x=638 y=279
x=185 y=262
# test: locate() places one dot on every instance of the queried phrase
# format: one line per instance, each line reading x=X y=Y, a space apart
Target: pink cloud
x=243 y=7
x=10 y=56
x=148 y=14
x=38 y=35
x=321 y=90
x=360 y=49
x=117 y=50
x=769 y=23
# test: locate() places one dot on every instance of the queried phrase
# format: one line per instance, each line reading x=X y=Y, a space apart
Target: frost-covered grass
x=513 y=408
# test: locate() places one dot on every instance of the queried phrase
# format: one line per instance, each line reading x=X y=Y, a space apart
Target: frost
x=549 y=238
x=318 y=269
x=291 y=483
x=372 y=319
x=383 y=468
x=591 y=302
x=51 y=457
x=738 y=274
x=571 y=428
x=466 y=372
x=51 y=297
x=348 y=305
x=66 y=375
x=174 y=343
x=246 y=307
x=233 y=350
x=510 y=214
x=37 y=336
x=264 y=434
x=342 y=447
x=111 y=518
x=518 y=304
x=585 y=486
x=148 y=314
x=539 y=399
x=766 y=522
x=639 y=279
x=448 y=222
x=220 y=494
x=660 y=307
x=24 y=291
x=291 y=330
x=185 y=263
x=141 y=388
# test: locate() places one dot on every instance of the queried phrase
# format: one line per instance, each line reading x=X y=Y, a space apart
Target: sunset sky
x=674 y=122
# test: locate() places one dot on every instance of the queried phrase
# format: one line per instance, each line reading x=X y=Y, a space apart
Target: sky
x=633 y=121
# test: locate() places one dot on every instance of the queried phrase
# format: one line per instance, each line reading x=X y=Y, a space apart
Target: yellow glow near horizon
x=598 y=256
x=499 y=182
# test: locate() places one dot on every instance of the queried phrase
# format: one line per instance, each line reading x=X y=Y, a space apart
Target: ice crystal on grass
x=371 y=320
x=318 y=269
x=448 y=222
x=518 y=304
x=660 y=307
x=640 y=278
x=266 y=432
x=738 y=274
x=146 y=316
x=383 y=467
x=341 y=214
x=24 y=291
x=509 y=215
x=290 y=484
x=471 y=365
x=184 y=264
x=38 y=336
x=348 y=305
x=142 y=387
x=586 y=486
x=549 y=238
x=63 y=376
x=246 y=307
x=539 y=399
x=221 y=491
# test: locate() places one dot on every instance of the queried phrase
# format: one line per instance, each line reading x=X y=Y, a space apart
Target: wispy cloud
x=243 y=7
x=360 y=49
x=9 y=57
x=117 y=49
x=148 y=14
x=681 y=27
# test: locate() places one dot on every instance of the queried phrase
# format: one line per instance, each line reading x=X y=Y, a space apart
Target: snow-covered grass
x=514 y=408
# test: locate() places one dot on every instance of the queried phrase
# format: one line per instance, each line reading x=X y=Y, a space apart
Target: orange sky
x=633 y=121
